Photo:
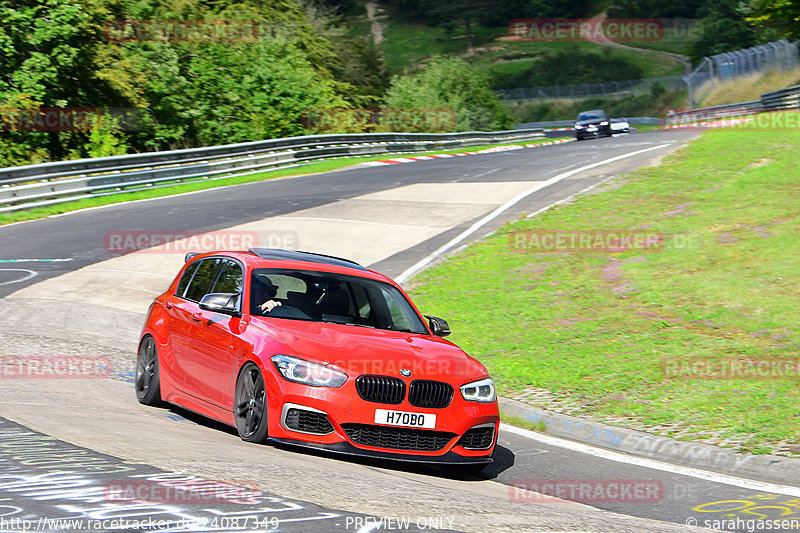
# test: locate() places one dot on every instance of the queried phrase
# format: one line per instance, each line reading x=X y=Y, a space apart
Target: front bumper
x=345 y=448
x=344 y=407
x=595 y=131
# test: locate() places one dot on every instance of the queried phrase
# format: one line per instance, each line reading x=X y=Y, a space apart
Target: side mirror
x=221 y=302
x=439 y=326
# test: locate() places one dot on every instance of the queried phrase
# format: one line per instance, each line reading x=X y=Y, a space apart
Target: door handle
x=169 y=305
x=197 y=317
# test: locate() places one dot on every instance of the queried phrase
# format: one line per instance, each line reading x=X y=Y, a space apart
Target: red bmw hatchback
x=316 y=351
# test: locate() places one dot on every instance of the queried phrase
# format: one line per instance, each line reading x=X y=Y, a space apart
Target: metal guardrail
x=720 y=111
x=30 y=186
x=788 y=98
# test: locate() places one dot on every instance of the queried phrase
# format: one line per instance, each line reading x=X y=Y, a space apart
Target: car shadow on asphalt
x=503 y=457
x=503 y=460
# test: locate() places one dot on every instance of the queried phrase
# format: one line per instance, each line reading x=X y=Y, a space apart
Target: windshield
x=589 y=116
x=334 y=298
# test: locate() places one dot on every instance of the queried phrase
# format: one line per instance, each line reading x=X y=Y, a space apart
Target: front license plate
x=405 y=419
x=592 y=128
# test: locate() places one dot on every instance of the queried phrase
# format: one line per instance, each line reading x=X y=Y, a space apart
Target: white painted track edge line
x=653 y=464
x=31 y=274
x=416 y=267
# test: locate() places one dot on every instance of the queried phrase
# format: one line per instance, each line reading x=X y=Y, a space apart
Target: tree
x=449 y=83
x=724 y=29
x=655 y=9
x=50 y=54
x=60 y=53
x=781 y=15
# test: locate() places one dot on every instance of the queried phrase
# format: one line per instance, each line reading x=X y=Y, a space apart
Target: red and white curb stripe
x=558 y=129
x=506 y=148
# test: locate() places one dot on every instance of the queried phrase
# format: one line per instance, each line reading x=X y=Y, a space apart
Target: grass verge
x=592 y=331
x=181 y=188
x=746 y=88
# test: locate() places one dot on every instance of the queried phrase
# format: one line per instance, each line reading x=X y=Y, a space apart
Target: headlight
x=307 y=373
x=604 y=123
x=578 y=127
x=479 y=391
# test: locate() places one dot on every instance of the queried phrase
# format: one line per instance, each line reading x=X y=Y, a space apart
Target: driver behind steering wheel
x=264 y=290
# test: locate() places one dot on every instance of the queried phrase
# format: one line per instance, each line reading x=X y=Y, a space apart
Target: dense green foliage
x=570 y=65
x=727 y=24
x=782 y=15
x=452 y=84
x=194 y=92
x=303 y=58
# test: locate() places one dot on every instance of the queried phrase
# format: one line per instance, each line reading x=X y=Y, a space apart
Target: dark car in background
x=592 y=124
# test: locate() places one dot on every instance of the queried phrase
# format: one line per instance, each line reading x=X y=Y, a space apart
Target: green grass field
x=592 y=329
x=409 y=43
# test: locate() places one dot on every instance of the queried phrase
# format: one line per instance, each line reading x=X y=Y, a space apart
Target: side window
x=203 y=278
x=186 y=278
x=230 y=279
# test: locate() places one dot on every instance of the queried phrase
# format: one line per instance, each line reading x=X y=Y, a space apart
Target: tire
x=250 y=405
x=148 y=382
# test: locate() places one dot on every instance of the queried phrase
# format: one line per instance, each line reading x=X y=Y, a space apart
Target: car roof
x=276 y=254
x=277 y=258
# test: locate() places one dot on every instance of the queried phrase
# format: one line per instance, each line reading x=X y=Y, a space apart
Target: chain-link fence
x=778 y=55
x=586 y=90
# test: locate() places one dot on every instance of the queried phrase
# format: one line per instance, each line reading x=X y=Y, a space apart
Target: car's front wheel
x=148 y=384
x=250 y=405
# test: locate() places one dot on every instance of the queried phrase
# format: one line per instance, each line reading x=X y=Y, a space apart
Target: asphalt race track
x=64 y=443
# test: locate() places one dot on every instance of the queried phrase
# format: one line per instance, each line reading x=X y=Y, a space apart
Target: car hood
x=360 y=350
